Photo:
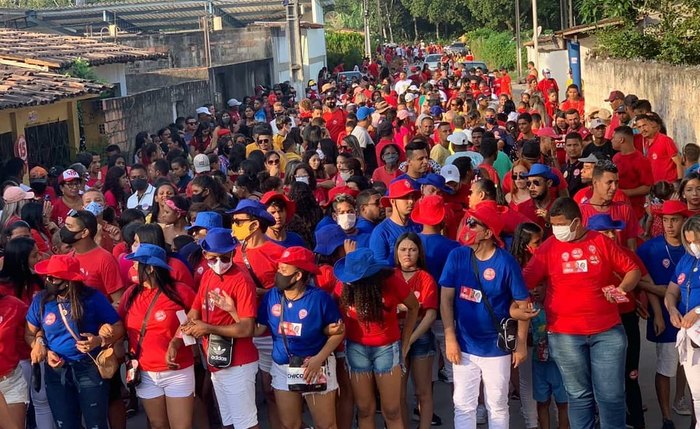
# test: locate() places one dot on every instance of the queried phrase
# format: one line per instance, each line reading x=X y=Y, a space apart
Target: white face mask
x=695 y=250
x=302 y=179
x=219 y=267
x=347 y=221
x=563 y=232
x=345 y=175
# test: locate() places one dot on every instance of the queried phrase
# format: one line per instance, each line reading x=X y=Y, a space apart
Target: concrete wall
x=556 y=58
x=161 y=78
x=672 y=90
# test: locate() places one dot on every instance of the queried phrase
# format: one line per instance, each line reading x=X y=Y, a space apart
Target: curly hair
x=305 y=221
x=365 y=295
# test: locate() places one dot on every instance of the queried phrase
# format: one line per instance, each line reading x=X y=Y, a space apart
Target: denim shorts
x=376 y=359
x=423 y=347
x=546 y=381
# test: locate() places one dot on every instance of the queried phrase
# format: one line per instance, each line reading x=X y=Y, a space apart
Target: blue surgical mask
x=95 y=208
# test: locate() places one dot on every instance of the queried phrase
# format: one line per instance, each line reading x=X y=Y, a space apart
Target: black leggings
x=633 y=394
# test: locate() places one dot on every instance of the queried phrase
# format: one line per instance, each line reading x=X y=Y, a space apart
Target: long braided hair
x=365 y=295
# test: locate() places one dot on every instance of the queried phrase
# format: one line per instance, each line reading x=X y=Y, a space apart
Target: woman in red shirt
x=409 y=257
x=369 y=298
x=573 y=100
x=116 y=189
x=13 y=387
x=150 y=310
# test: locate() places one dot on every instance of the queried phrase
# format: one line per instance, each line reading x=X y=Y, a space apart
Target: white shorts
x=14 y=388
x=666 y=359
x=172 y=383
x=279 y=377
x=264 y=346
x=235 y=394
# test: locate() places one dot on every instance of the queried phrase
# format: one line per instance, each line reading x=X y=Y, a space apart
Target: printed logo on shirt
x=303 y=313
x=277 y=310
x=573 y=267
x=577 y=253
x=417 y=294
x=681 y=278
x=200 y=270
x=489 y=274
x=159 y=316
x=591 y=248
x=577 y=172
x=470 y=294
x=666 y=263
x=594 y=260
x=565 y=256
x=50 y=319
x=654 y=156
x=291 y=329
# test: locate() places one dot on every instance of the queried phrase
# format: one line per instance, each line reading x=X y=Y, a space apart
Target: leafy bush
x=344 y=47
x=626 y=43
x=496 y=49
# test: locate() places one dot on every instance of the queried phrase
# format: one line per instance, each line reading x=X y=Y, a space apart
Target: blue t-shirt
x=304 y=319
x=293 y=239
x=97 y=311
x=384 y=238
x=500 y=278
x=360 y=238
x=661 y=260
x=414 y=184
x=365 y=226
x=688 y=278
x=437 y=248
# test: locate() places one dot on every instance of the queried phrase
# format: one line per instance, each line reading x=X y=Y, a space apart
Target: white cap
x=413 y=88
x=450 y=173
x=595 y=123
x=409 y=97
x=458 y=138
x=203 y=111
x=233 y=103
x=546 y=72
x=201 y=163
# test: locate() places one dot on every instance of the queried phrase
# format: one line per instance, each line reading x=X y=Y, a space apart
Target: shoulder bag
x=133 y=372
x=219 y=348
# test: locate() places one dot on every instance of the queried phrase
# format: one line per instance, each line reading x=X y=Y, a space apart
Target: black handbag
x=219 y=349
x=295 y=370
x=507 y=327
x=133 y=372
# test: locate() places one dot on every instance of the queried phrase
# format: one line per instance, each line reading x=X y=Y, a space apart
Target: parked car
x=348 y=76
x=457 y=48
x=475 y=64
x=432 y=60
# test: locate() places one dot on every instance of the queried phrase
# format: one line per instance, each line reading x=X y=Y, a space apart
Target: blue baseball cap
x=329 y=238
x=255 y=209
x=603 y=222
x=219 y=240
x=436 y=180
x=363 y=113
x=358 y=265
x=543 y=171
x=150 y=254
x=436 y=111
x=206 y=220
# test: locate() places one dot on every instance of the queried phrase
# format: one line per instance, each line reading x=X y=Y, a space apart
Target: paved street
x=443 y=400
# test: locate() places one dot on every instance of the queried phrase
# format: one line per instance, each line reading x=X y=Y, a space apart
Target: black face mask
x=199 y=198
x=283 y=282
x=56 y=289
x=491 y=121
x=38 y=187
x=331 y=104
x=139 y=184
x=68 y=236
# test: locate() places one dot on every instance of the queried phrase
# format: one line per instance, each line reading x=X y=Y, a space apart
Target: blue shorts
x=423 y=347
x=379 y=359
x=546 y=381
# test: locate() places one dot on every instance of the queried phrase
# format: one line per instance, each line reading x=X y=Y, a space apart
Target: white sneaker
x=481 y=414
x=682 y=407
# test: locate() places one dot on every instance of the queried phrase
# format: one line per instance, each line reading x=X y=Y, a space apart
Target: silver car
x=432 y=60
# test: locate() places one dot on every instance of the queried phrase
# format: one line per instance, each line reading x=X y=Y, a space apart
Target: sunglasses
x=263 y=140
x=223 y=258
x=518 y=176
x=191 y=123
x=273 y=162
x=533 y=182
x=472 y=223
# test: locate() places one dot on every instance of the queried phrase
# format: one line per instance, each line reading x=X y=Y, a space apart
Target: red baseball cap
x=491 y=219
x=429 y=210
x=289 y=206
x=340 y=190
x=398 y=189
x=300 y=257
x=65 y=267
x=547 y=132
x=224 y=131
x=615 y=95
x=68 y=176
x=675 y=207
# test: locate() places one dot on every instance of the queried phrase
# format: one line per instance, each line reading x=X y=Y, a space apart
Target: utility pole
x=380 y=25
x=368 y=42
x=296 y=68
x=535 y=34
x=571 y=13
x=518 y=42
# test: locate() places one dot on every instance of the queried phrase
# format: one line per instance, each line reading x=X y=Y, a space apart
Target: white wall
x=557 y=61
x=113 y=73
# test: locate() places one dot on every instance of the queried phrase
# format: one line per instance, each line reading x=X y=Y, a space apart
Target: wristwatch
x=697 y=310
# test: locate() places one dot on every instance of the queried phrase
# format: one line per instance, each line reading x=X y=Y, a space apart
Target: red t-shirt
x=241 y=288
x=263 y=261
x=13 y=313
x=617 y=211
x=614 y=123
x=8 y=289
x=579 y=105
x=101 y=270
x=59 y=212
x=631 y=305
x=585 y=194
x=43 y=244
x=493 y=175
x=162 y=326
x=423 y=287
x=576 y=273
x=633 y=169
x=335 y=123
x=119 y=249
x=325 y=279
x=376 y=334
x=660 y=152
x=380 y=175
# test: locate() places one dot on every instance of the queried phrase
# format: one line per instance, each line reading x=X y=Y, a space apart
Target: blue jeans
x=593 y=370
x=77 y=391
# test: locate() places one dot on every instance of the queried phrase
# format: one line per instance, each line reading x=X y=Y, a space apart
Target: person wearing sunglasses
x=233 y=381
x=518 y=190
x=273 y=162
x=539 y=181
x=70 y=184
x=63 y=326
x=478 y=271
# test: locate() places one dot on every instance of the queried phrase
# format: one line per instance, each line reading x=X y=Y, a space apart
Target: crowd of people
x=383 y=232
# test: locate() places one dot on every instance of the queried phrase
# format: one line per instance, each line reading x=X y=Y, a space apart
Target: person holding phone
x=149 y=310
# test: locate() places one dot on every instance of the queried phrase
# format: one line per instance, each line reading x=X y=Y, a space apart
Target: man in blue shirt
x=369 y=209
x=661 y=256
x=470 y=331
x=417 y=162
x=401 y=198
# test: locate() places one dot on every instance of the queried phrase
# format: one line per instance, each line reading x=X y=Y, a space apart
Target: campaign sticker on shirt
x=565 y=256
x=654 y=156
x=591 y=248
x=200 y=270
x=291 y=329
x=489 y=274
x=681 y=278
x=277 y=310
x=303 y=313
x=417 y=294
x=666 y=263
x=577 y=253
x=577 y=172
x=50 y=319
x=159 y=316
x=574 y=267
x=470 y=294
x=594 y=260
